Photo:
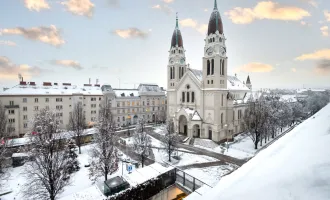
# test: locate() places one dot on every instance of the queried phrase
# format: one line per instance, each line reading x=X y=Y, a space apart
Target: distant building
x=25 y=99
x=205 y=103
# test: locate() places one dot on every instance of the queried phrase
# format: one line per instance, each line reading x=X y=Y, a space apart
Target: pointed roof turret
x=177 y=37
x=215 y=23
x=248 y=80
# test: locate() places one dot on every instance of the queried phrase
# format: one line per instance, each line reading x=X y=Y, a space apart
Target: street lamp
x=226 y=135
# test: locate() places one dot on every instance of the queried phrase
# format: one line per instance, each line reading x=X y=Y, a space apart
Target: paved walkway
x=202 y=165
x=201 y=151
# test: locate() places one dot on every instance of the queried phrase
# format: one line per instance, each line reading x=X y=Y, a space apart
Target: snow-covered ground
x=297 y=166
x=80 y=182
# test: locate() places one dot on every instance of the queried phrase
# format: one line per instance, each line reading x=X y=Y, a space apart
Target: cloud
x=206 y=10
x=80 y=7
x=168 y=1
x=8 y=70
x=303 y=23
x=131 y=33
x=311 y=2
x=50 y=35
x=7 y=43
x=266 y=10
x=255 y=67
x=67 y=63
x=114 y=3
x=36 y=5
x=323 y=67
x=325 y=31
x=293 y=69
x=317 y=55
x=202 y=28
x=327 y=15
x=165 y=8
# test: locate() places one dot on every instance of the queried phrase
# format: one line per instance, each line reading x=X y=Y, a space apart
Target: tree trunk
x=142 y=156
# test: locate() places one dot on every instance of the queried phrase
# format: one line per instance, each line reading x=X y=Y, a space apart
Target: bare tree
x=77 y=123
x=254 y=120
x=4 y=142
x=170 y=139
x=141 y=141
x=104 y=153
x=46 y=172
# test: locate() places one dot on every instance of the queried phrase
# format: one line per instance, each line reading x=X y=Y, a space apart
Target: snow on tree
x=4 y=134
x=77 y=123
x=316 y=101
x=170 y=139
x=46 y=172
x=141 y=141
x=104 y=160
x=73 y=165
x=254 y=120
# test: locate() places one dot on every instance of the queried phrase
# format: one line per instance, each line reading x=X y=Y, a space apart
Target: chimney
x=47 y=84
x=67 y=84
x=89 y=81
x=32 y=83
x=22 y=83
x=55 y=84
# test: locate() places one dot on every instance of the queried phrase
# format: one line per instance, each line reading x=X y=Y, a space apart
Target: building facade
x=27 y=98
x=205 y=103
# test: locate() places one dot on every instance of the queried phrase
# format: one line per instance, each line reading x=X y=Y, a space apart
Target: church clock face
x=209 y=51
x=182 y=60
x=171 y=61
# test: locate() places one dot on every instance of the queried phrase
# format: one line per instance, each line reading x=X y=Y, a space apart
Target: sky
x=279 y=43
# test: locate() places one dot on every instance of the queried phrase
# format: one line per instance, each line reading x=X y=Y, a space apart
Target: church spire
x=177 y=21
x=215 y=5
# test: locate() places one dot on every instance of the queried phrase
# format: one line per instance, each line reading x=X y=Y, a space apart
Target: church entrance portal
x=183 y=128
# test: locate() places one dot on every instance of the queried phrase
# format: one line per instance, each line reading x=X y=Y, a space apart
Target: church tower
x=215 y=58
x=177 y=60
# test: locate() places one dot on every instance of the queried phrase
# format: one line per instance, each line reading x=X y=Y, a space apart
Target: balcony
x=11 y=106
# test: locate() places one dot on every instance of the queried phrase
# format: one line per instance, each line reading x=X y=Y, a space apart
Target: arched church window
x=213 y=39
x=170 y=72
x=223 y=67
x=208 y=67
x=220 y=67
x=183 y=97
x=221 y=118
x=192 y=97
x=188 y=97
x=173 y=73
x=212 y=71
x=220 y=39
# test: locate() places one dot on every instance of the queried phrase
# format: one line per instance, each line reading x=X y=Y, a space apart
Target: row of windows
x=180 y=51
x=36 y=100
x=214 y=40
x=210 y=67
x=172 y=73
x=187 y=94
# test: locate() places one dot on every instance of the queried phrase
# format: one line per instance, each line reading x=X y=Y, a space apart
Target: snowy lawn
x=80 y=182
x=210 y=175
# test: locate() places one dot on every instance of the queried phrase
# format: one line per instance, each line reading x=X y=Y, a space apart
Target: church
x=205 y=103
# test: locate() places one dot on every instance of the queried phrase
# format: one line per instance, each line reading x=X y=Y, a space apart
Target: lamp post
x=226 y=136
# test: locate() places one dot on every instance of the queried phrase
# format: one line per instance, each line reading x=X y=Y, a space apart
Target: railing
x=188 y=182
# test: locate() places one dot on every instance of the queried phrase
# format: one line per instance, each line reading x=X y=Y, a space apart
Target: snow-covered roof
x=198 y=73
x=52 y=90
x=285 y=169
x=126 y=92
x=288 y=98
x=233 y=83
x=310 y=89
x=144 y=174
x=19 y=155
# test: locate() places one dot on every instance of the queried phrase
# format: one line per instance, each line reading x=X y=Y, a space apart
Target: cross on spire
x=215 y=5
x=177 y=20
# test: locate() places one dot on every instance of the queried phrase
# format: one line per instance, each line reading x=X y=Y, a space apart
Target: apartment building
x=27 y=98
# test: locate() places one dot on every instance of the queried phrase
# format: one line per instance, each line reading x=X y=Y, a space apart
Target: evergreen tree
x=73 y=164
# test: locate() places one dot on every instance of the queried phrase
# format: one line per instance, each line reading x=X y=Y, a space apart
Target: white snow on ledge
x=297 y=166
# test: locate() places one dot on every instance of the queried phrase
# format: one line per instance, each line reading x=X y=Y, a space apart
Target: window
x=59 y=114
x=35 y=100
x=11 y=103
x=93 y=119
x=212 y=68
x=24 y=117
x=211 y=81
x=123 y=118
x=11 y=112
x=93 y=112
x=61 y=121
x=233 y=115
x=208 y=82
x=93 y=99
x=59 y=107
x=25 y=125
x=47 y=100
x=58 y=99
x=192 y=97
x=128 y=103
x=11 y=129
x=188 y=97
x=118 y=104
x=93 y=105
x=221 y=118
x=24 y=100
x=239 y=114
x=208 y=67
x=36 y=108
x=222 y=100
x=11 y=121
x=143 y=103
x=223 y=67
x=100 y=99
x=153 y=108
x=24 y=108
x=183 y=97
x=170 y=72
